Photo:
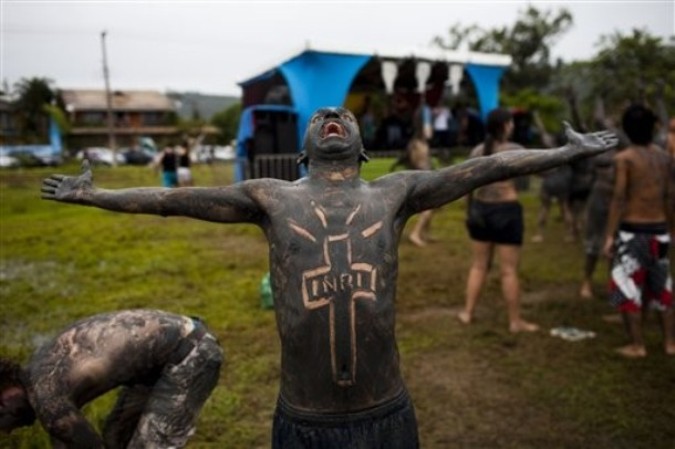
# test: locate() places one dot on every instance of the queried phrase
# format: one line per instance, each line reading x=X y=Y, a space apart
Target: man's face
x=333 y=134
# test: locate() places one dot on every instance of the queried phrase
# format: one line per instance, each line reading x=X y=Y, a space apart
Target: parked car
x=225 y=153
x=101 y=156
x=7 y=160
x=47 y=155
x=29 y=156
x=137 y=156
x=211 y=153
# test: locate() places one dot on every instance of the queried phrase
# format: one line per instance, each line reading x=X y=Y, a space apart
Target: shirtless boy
x=333 y=252
x=167 y=365
x=639 y=231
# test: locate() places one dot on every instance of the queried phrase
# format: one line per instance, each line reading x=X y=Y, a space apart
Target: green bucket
x=266 y=299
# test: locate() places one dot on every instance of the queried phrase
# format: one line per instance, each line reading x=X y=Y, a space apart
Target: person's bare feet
x=612 y=318
x=416 y=240
x=523 y=326
x=586 y=292
x=669 y=348
x=632 y=351
x=538 y=238
x=464 y=317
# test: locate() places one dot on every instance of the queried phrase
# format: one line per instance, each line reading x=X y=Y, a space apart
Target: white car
x=29 y=156
x=210 y=153
x=101 y=155
x=7 y=161
x=225 y=153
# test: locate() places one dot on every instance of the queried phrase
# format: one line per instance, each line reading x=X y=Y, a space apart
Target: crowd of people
x=333 y=241
x=395 y=124
x=622 y=201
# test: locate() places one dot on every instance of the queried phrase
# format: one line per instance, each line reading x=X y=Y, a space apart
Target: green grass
x=473 y=387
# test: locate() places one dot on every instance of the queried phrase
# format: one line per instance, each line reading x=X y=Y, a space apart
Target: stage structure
x=284 y=96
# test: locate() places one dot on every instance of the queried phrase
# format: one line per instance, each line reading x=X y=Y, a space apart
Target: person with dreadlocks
x=495 y=222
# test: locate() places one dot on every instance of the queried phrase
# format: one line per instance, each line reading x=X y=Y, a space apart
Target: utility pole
x=108 y=97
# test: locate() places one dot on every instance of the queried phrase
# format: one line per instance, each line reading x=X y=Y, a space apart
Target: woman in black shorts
x=495 y=222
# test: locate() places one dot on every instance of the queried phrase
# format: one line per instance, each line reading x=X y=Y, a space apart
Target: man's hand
x=69 y=189
x=601 y=140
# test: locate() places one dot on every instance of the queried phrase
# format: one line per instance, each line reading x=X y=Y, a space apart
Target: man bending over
x=166 y=366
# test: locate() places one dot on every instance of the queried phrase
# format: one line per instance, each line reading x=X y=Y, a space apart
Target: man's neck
x=334 y=171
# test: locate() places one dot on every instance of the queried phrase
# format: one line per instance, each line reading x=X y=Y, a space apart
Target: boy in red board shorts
x=639 y=232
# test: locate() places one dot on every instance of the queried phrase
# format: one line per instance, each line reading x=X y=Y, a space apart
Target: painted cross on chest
x=338 y=285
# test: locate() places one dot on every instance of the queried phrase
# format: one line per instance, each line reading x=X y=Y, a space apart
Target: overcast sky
x=209 y=46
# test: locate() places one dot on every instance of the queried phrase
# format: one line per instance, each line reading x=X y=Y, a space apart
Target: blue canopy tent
x=317 y=78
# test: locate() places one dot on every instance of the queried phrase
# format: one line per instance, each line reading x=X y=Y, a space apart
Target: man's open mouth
x=333 y=129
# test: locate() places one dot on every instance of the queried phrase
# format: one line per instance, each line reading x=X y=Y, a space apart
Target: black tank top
x=169 y=162
x=184 y=160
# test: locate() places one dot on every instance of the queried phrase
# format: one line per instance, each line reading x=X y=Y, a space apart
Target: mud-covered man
x=333 y=241
x=166 y=365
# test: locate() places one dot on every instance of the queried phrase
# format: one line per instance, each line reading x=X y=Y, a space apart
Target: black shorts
x=580 y=195
x=391 y=425
x=496 y=222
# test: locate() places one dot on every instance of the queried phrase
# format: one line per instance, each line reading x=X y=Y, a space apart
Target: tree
x=33 y=120
x=571 y=83
x=528 y=42
x=549 y=108
x=634 y=67
x=639 y=66
x=227 y=121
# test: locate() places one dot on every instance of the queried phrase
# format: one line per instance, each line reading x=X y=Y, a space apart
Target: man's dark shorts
x=391 y=425
x=170 y=407
x=496 y=222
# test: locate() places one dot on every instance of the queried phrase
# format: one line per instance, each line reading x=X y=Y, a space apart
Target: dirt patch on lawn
x=465 y=400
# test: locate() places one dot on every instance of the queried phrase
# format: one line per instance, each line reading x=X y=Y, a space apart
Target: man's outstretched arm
x=229 y=204
x=432 y=189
